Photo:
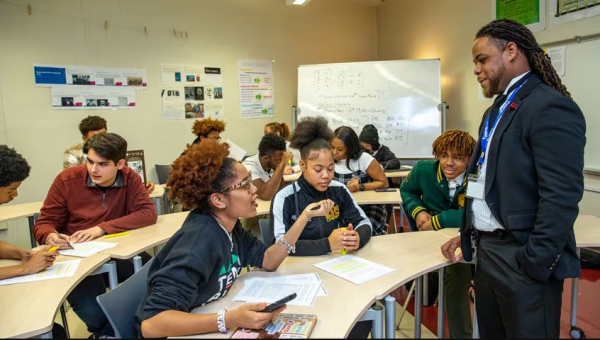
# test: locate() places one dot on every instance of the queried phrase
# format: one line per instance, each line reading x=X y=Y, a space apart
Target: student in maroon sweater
x=87 y=201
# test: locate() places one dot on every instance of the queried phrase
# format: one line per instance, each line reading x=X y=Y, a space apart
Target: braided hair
x=503 y=31
x=454 y=140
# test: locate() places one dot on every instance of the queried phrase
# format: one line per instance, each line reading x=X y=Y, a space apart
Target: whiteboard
x=581 y=78
x=400 y=98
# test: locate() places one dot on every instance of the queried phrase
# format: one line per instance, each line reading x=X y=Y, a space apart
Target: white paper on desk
x=57 y=271
x=354 y=269
x=265 y=290
x=235 y=151
x=86 y=249
x=302 y=278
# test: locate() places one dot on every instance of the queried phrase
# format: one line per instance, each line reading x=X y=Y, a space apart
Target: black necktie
x=496 y=108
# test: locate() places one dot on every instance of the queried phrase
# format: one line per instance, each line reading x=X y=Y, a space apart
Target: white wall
x=446 y=29
x=220 y=32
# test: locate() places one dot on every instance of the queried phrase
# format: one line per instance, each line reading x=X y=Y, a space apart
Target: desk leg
x=32 y=220
x=426 y=289
x=63 y=317
x=418 y=306
x=111 y=269
x=440 y=325
x=375 y=314
x=390 y=317
x=137 y=263
x=158 y=205
x=576 y=332
x=166 y=203
x=401 y=218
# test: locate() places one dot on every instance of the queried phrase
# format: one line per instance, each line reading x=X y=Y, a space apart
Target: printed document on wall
x=255 y=79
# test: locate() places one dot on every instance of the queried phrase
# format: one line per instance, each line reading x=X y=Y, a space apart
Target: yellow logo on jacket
x=333 y=213
x=461 y=200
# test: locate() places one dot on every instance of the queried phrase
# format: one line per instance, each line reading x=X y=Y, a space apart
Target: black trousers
x=509 y=303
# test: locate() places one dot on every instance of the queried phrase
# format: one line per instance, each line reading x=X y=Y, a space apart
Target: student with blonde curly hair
x=434 y=197
x=201 y=261
x=208 y=128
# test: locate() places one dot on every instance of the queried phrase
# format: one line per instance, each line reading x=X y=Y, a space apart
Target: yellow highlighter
x=53 y=249
x=117 y=234
x=343 y=249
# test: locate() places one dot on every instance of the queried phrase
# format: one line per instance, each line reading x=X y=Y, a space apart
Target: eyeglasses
x=245 y=183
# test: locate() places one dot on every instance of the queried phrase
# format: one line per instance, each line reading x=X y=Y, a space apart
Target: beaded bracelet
x=221 y=321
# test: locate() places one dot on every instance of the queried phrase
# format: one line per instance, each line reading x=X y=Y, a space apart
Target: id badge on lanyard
x=476 y=186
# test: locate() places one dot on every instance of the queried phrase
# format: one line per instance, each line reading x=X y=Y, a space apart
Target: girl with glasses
x=201 y=261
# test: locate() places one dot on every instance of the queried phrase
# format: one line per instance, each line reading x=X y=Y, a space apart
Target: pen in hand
x=62 y=238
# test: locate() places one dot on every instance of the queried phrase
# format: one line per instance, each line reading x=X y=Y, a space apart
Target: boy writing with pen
x=88 y=201
x=14 y=169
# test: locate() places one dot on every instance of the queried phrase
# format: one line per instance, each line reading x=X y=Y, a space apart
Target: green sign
x=524 y=11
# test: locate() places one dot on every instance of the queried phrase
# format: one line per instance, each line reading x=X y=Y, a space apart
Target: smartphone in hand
x=279 y=303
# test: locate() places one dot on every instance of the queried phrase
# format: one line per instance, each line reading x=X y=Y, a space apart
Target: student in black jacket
x=324 y=234
x=369 y=139
x=201 y=261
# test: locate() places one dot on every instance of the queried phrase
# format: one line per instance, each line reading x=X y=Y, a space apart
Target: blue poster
x=50 y=75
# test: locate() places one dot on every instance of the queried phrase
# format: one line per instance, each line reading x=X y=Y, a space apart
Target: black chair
x=163 y=173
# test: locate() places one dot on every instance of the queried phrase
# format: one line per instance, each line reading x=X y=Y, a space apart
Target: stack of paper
x=56 y=271
x=86 y=249
x=354 y=269
x=271 y=289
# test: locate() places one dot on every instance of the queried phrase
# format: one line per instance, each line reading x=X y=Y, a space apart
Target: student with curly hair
x=283 y=130
x=359 y=171
x=201 y=261
x=13 y=171
x=434 y=197
x=324 y=234
x=208 y=128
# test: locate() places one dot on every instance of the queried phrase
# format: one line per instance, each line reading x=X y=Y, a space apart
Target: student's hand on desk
x=422 y=218
x=449 y=249
x=324 y=208
x=53 y=240
x=339 y=239
x=149 y=187
x=351 y=239
x=353 y=185
x=87 y=235
x=426 y=226
x=250 y=316
x=288 y=170
x=39 y=261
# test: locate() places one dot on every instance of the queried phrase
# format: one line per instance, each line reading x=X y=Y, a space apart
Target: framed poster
x=135 y=161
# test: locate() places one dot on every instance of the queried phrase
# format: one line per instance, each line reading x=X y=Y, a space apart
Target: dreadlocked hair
x=311 y=134
x=503 y=31
x=454 y=140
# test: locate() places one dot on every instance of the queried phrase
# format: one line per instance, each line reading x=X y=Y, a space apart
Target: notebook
x=283 y=326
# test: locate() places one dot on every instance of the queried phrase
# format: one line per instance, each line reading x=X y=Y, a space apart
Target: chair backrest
x=163 y=173
x=120 y=304
x=266 y=232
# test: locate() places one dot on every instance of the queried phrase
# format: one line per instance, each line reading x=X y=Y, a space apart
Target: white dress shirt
x=481 y=215
x=454 y=183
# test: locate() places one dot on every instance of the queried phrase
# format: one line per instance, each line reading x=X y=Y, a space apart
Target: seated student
x=369 y=140
x=14 y=170
x=434 y=195
x=283 y=130
x=89 y=127
x=321 y=235
x=267 y=167
x=359 y=171
x=207 y=128
x=88 y=201
x=201 y=261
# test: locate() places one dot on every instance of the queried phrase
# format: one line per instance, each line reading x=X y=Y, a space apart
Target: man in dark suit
x=525 y=183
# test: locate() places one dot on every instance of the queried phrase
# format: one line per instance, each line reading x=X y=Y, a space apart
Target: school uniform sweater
x=426 y=189
x=290 y=202
x=197 y=266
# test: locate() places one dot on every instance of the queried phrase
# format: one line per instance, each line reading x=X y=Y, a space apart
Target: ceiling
x=373 y=3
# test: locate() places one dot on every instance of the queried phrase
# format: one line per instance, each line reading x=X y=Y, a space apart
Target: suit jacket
x=534 y=180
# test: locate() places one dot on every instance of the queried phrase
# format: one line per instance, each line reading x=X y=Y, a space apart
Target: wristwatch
x=361 y=187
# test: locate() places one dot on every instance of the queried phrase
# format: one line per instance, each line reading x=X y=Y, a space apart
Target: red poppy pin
x=513 y=106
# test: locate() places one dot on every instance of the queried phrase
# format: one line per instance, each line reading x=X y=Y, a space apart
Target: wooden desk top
x=449 y=232
x=410 y=254
x=373 y=197
x=16 y=211
x=159 y=191
x=264 y=207
x=142 y=239
x=587 y=231
x=397 y=174
x=292 y=177
x=29 y=309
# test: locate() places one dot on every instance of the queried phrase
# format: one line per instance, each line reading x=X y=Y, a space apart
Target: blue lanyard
x=485 y=137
